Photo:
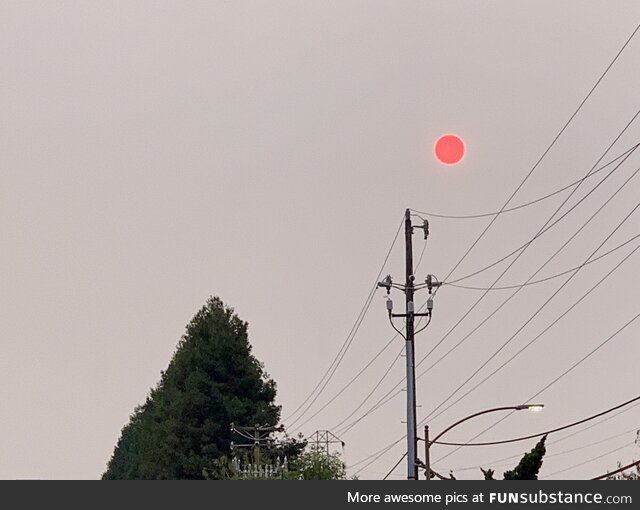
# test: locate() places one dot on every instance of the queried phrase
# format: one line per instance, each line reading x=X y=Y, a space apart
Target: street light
x=534 y=408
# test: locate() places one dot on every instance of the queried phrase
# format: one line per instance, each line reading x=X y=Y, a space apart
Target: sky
x=153 y=154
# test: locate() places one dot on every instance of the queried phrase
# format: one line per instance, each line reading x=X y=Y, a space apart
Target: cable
x=346 y=386
x=343 y=430
x=551 y=431
x=521 y=206
x=424 y=247
x=553 y=142
x=466 y=314
x=460 y=445
x=502 y=462
x=531 y=342
x=382 y=401
x=619 y=470
x=563 y=438
x=487 y=318
x=376 y=454
x=346 y=344
x=548 y=278
x=595 y=424
x=587 y=461
x=520 y=254
x=550 y=226
x=541 y=308
x=530 y=436
x=547 y=150
x=395 y=466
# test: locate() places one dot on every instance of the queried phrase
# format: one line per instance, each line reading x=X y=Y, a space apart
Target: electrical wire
x=347 y=343
x=395 y=466
x=502 y=462
x=384 y=399
x=563 y=438
x=553 y=142
x=551 y=431
x=531 y=342
x=564 y=284
x=339 y=428
x=475 y=304
x=587 y=461
x=566 y=372
x=593 y=88
x=521 y=206
x=344 y=388
x=548 y=278
x=635 y=463
x=530 y=436
x=548 y=226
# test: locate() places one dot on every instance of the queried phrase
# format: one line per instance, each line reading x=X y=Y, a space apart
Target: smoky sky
x=155 y=153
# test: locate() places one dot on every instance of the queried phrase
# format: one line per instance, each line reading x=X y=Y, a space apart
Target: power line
x=619 y=470
x=521 y=206
x=547 y=278
x=553 y=142
x=346 y=344
x=524 y=248
x=551 y=431
x=596 y=424
x=377 y=385
x=394 y=467
x=488 y=317
x=344 y=429
x=346 y=386
x=542 y=307
x=533 y=340
x=588 y=461
x=384 y=399
x=502 y=462
x=539 y=434
x=369 y=363
x=563 y=438
x=575 y=365
x=547 y=226
x=539 y=161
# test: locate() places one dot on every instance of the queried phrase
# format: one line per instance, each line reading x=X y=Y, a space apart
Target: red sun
x=449 y=149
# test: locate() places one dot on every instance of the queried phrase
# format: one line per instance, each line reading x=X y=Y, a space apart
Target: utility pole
x=259 y=435
x=412 y=442
x=410 y=314
x=427 y=459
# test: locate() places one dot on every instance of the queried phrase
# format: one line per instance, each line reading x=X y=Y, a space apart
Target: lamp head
x=534 y=408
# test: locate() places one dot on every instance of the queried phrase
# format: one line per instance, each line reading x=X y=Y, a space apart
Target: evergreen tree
x=530 y=464
x=528 y=467
x=182 y=430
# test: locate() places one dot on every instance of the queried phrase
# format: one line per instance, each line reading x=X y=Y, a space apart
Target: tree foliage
x=528 y=467
x=530 y=464
x=183 y=428
x=316 y=464
x=626 y=475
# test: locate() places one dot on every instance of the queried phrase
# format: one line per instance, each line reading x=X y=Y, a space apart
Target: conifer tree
x=183 y=428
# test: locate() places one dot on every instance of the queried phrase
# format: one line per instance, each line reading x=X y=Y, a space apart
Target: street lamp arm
x=471 y=416
x=546 y=432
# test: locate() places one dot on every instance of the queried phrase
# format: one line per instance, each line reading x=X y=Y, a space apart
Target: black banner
x=319 y=494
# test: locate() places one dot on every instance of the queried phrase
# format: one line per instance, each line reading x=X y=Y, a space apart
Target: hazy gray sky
x=155 y=153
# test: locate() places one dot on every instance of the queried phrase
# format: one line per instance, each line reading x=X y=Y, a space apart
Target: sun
x=449 y=149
